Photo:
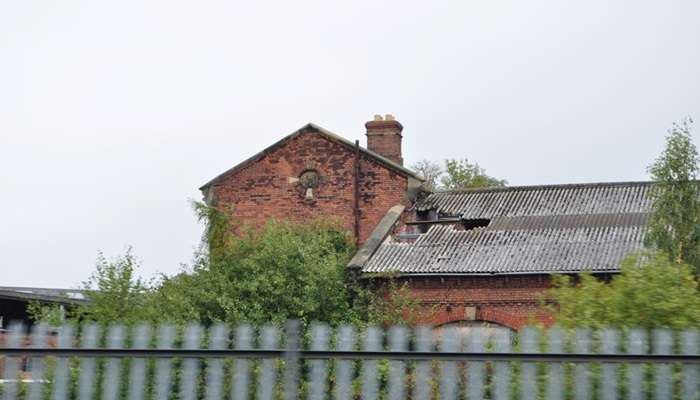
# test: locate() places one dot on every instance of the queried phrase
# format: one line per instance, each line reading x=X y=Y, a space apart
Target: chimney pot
x=384 y=137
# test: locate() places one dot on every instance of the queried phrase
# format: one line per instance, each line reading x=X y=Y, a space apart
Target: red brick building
x=471 y=256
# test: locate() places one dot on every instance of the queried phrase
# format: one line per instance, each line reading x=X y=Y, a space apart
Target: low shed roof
x=530 y=229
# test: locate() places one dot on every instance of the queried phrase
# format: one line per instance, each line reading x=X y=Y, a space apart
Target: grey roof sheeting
x=574 y=199
x=532 y=229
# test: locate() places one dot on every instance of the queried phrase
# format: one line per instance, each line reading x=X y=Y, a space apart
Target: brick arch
x=489 y=314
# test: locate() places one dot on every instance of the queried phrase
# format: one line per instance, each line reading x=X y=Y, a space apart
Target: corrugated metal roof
x=533 y=229
x=444 y=249
x=576 y=199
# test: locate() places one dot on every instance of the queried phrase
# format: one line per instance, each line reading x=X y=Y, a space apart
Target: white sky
x=113 y=113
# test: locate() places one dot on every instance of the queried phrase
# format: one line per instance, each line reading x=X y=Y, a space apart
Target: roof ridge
x=548 y=186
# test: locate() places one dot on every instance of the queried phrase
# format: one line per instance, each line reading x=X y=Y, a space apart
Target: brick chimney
x=384 y=137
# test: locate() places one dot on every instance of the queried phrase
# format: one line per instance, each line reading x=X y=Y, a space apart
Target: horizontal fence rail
x=319 y=363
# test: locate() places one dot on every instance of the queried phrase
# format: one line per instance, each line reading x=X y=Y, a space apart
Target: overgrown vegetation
x=659 y=287
x=456 y=174
x=674 y=226
x=650 y=292
x=259 y=275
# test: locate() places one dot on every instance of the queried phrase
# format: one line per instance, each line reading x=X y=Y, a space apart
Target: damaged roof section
x=530 y=229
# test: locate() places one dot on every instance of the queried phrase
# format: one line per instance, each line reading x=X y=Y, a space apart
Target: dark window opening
x=475 y=223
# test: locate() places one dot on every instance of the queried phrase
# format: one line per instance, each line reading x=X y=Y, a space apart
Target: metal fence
x=319 y=363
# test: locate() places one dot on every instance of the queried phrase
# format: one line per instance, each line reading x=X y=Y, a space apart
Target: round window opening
x=309 y=179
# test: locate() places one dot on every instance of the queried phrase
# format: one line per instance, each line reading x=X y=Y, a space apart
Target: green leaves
x=674 y=226
x=457 y=174
x=651 y=291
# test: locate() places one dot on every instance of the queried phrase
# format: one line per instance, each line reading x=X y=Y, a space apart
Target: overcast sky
x=113 y=113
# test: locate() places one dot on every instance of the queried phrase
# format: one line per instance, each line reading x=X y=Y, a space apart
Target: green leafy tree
x=651 y=291
x=674 y=226
x=456 y=175
x=461 y=174
x=115 y=293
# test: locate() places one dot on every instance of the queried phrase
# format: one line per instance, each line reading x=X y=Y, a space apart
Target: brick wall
x=513 y=301
x=263 y=190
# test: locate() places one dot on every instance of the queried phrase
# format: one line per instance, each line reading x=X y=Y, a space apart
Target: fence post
x=449 y=342
x=689 y=346
x=609 y=345
x=424 y=343
x=636 y=344
x=345 y=342
x=115 y=340
x=241 y=375
x=475 y=369
x=218 y=337
x=88 y=340
x=529 y=341
x=137 y=373
x=371 y=342
x=61 y=370
x=501 y=382
x=319 y=342
x=582 y=371
x=291 y=359
x=266 y=383
x=39 y=341
x=397 y=382
x=555 y=371
x=166 y=337
x=14 y=339
x=662 y=375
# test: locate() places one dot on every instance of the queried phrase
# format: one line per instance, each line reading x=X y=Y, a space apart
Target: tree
x=115 y=293
x=461 y=174
x=457 y=174
x=674 y=226
x=639 y=296
x=430 y=171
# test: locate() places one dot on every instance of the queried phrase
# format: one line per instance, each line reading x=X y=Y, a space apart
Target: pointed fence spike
x=663 y=387
x=218 y=340
x=188 y=381
x=137 y=374
x=163 y=388
x=582 y=371
x=345 y=341
x=636 y=344
x=115 y=340
x=12 y=370
x=241 y=373
x=689 y=345
x=398 y=341
x=59 y=390
x=266 y=381
x=529 y=338
x=318 y=368
x=86 y=381
x=371 y=342
x=449 y=342
x=501 y=380
x=555 y=371
x=475 y=369
x=424 y=343
x=608 y=389
x=37 y=364
x=291 y=360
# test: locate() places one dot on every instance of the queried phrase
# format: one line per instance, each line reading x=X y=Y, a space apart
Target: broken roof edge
x=376 y=238
x=330 y=135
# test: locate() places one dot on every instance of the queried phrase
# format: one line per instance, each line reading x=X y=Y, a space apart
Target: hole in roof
x=475 y=223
